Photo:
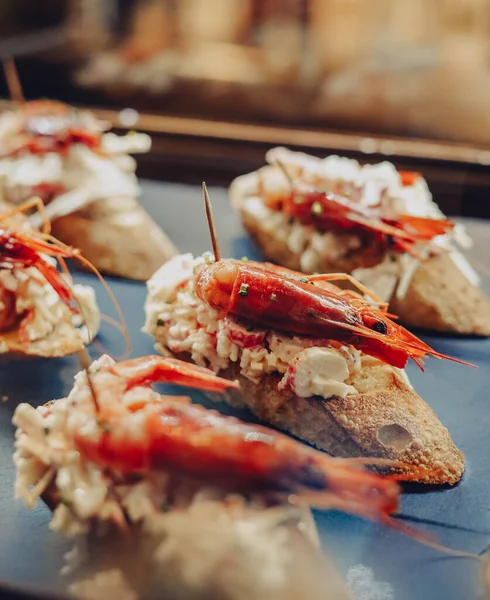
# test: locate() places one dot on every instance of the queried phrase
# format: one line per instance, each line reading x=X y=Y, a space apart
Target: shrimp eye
x=380 y=327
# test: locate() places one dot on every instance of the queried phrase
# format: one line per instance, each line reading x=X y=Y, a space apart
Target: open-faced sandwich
x=380 y=225
x=323 y=363
x=87 y=180
x=42 y=313
x=197 y=497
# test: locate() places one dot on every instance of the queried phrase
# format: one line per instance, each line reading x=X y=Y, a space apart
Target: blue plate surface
x=458 y=516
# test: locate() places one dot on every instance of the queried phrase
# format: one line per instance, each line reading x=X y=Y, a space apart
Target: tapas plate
x=379 y=563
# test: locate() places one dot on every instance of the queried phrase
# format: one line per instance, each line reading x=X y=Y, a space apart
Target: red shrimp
x=134 y=432
x=50 y=126
x=19 y=251
x=23 y=250
x=328 y=211
x=272 y=299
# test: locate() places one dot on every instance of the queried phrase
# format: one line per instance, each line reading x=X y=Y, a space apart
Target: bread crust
x=117 y=236
x=439 y=297
x=386 y=419
x=357 y=425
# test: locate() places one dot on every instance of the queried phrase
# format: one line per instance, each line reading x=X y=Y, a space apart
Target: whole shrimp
x=133 y=430
x=50 y=126
x=340 y=209
x=274 y=297
x=328 y=211
x=28 y=248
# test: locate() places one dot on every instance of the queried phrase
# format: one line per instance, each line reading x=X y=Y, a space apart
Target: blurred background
x=216 y=82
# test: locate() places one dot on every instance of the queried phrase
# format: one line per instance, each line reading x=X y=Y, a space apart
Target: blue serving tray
x=32 y=555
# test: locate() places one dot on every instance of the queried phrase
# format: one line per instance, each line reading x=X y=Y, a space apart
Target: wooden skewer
x=285 y=172
x=211 y=225
x=84 y=359
x=13 y=81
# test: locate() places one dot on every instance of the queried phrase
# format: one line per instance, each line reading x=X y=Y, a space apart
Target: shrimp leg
x=346 y=277
x=169 y=370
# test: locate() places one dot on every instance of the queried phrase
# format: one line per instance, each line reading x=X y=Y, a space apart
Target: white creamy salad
x=78 y=176
x=35 y=297
x=371 y=185
x=181 y=322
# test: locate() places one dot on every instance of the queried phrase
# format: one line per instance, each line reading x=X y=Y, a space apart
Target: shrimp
x=22 y=251
x=25 y=249
x=328 y=211
x=133 y=430
x=272 y=297
x=50 y=126
x=335 y=205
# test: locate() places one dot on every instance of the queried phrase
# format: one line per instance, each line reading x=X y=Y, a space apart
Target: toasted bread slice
x=117 y=236
x=439 y=296
x=386 y=420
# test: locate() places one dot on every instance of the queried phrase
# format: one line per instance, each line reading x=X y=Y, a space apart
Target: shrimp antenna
x=77 y=255
x=83 y=355
x=211 y=225
x=36 y=203
x=13 y=81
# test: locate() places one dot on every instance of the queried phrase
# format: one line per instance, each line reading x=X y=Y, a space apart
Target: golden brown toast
x=117 y=236
x=387 y=419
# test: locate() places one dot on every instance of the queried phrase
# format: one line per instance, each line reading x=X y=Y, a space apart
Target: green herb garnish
x=103 y=425
x=47 y=431
x=303 y=279
x=243 y=291
x=298 y=199
x=273 y=297
x=160 y=322
x=392 y=257
x=316 y=208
